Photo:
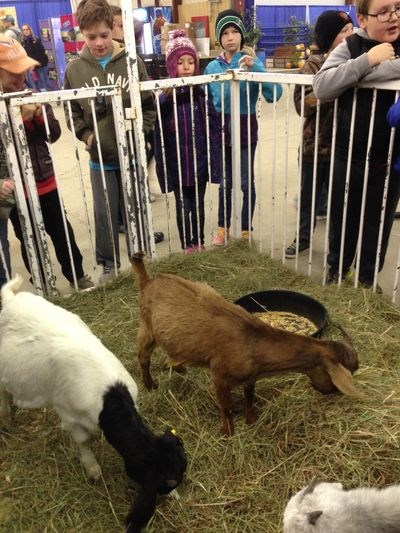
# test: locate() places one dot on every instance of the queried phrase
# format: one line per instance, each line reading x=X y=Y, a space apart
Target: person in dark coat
x=185 y=171
x=38 y=78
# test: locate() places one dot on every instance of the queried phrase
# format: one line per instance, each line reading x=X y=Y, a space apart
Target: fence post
x=236 y=221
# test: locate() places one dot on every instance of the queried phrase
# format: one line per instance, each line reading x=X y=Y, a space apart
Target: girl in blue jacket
x=230 y=32
x=178 y=171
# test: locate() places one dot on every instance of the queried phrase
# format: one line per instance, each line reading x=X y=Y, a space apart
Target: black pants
x=322 y=177
x=53 y=223
x=191 y=225
x=373 y=204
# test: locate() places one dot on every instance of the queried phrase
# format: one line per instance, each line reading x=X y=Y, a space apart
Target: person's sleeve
x=310 y=100
x=339 y=73
x=82 y=129
x=267 y=88
x=148 y=105
x=393 y=115
x=158 y=156
x=215 y=129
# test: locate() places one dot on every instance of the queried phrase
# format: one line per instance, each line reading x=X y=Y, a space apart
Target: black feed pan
x=289 y=301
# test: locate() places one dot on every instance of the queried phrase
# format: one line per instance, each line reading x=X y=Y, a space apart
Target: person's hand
x=38 y=111
x=246 y=62
x=28 y=111
x=89 y=140
x=6 y=189
x=380 y=52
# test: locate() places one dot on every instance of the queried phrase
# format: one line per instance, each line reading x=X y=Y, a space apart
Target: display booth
x=273 y=20
x=50 y=34
x=33 y=12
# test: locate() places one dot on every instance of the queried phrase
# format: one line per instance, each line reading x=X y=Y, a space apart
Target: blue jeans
x=225 y=193
x=6 y=251
x=42 y=83
x=104 y=247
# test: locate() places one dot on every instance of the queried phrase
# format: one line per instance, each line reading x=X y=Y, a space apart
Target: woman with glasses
x=370 y=54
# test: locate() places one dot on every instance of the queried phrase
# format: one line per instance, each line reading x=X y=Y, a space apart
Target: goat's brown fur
x=196 y=326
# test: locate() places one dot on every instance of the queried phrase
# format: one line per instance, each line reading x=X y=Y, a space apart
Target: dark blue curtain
x=272 y=20
x=31 y=12
x=315 y=11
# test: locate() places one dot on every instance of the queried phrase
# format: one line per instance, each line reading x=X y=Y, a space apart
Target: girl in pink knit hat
x=186 y=170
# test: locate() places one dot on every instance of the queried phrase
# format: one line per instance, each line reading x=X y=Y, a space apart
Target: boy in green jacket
x=103 y=62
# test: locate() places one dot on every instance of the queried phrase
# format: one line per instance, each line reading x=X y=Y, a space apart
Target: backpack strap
x=355 y=45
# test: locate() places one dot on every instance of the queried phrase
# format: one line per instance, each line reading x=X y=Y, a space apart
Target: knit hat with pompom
x=177 y=46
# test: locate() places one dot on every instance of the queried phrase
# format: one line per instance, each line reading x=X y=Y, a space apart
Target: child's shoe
x=198 y=247
x=246 y=235
x=221 y=236
x=189 y=249
x=84 y=283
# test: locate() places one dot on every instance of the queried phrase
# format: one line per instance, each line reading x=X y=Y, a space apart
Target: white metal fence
x=277 y=178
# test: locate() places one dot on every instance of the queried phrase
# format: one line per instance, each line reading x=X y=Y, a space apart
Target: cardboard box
x=168 y=29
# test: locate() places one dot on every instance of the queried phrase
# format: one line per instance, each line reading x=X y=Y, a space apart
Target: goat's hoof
x=227 y=430
x=251 y=417
x=150 y=386
x=5 y=419
x=148 y=382
x=5 y=423
x=180 y=369
x=94 y=472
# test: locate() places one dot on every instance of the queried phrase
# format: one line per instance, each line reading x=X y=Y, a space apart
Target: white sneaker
x=108 y=274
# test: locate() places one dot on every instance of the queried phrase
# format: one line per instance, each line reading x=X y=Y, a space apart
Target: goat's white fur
x=50 y=358
x=360 y=510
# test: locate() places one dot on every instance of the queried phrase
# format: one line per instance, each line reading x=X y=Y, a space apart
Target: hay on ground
x=238 y=484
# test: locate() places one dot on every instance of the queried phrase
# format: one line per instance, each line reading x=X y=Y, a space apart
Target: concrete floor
x=274 y=220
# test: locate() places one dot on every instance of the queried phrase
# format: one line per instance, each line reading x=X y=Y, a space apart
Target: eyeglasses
x=386 y=15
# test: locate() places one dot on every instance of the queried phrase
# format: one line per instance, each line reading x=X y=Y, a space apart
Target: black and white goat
x=50 y=358
x=328 y=508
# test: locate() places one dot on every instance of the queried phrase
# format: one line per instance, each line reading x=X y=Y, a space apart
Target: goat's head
x=166 y=468
x=305 y=511
x=345 y=355
x=170 y=461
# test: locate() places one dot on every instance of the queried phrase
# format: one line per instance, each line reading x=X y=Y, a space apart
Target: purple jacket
x=186 y=136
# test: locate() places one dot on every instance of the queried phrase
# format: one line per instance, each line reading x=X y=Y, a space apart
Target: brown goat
x=196 y=326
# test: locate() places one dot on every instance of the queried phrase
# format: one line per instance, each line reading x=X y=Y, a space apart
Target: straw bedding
x=237 y=484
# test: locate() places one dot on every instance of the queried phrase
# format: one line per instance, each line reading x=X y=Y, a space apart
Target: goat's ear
x=342 y=379
x=313 y=517
x=142 y=509
x=310 y=488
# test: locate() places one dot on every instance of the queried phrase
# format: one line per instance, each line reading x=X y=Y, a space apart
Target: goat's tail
x=8 y=290
x=139 y=270
x=342 y=378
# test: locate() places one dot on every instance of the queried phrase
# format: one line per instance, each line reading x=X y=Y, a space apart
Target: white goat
x=50 y=358
x=328 y=508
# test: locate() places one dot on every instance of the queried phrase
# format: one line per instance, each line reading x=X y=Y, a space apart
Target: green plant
x=297 y=35
x=297 y=31
x=253 y=30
